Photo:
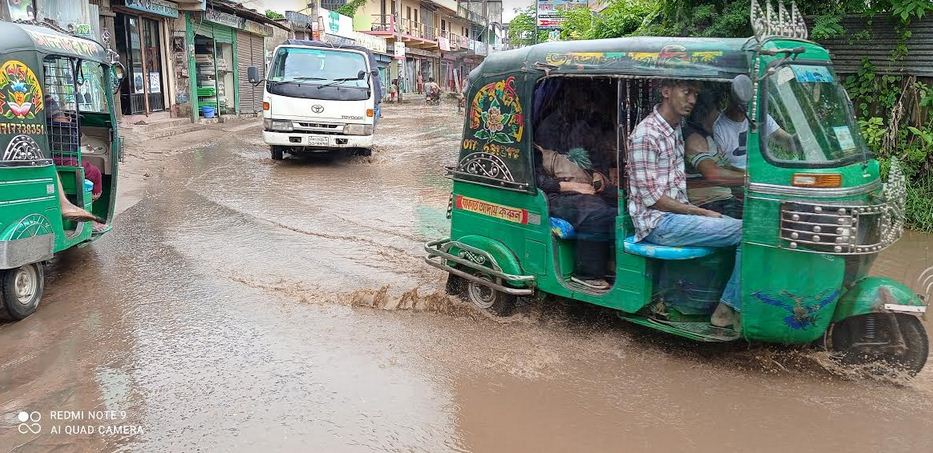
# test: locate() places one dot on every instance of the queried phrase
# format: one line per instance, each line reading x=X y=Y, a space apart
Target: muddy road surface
x=242 y=303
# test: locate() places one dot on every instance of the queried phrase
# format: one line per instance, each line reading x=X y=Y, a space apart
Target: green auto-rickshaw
x=58 y=134
x=816 y=214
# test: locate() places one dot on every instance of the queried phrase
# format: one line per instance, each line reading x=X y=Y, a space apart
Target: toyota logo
x=317 y=108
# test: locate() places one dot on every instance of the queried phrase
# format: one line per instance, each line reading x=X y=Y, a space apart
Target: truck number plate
x=318 y=141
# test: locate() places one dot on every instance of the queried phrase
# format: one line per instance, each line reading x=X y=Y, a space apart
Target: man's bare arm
x=668 y=204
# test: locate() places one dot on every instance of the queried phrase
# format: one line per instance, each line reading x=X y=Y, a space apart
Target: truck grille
x=319 y=128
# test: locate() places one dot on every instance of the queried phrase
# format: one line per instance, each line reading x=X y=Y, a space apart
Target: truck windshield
x=808 y=103
x=318 y=66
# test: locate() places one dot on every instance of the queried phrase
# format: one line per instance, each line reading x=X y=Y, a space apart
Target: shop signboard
x=157 y=7
x=336 y=23
x=222 y=18
x=256 y=28
x=400 y=50
x=337 y=40
x=374 y=43
x=549 y=12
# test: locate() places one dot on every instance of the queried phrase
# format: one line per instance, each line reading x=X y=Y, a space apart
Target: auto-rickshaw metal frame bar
x=434 y=250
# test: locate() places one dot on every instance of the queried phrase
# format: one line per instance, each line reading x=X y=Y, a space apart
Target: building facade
x=185 y=58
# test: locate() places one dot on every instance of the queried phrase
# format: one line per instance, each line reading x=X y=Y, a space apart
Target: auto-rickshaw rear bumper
x=478 y=261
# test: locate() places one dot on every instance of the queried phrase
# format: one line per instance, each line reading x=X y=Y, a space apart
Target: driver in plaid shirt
x=658 y=202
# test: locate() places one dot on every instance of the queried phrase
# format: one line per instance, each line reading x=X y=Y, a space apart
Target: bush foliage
x=893 y=110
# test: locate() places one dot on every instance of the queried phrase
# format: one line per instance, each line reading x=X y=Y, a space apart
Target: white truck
x=319 y=98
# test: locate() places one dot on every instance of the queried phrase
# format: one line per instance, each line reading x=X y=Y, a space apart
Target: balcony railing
x=387 y=22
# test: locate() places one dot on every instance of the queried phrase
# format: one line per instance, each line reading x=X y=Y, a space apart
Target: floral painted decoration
x=20 y=92
x=496 y=113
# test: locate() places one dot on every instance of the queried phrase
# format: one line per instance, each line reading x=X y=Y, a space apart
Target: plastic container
x=88 y=193
x=207 y=111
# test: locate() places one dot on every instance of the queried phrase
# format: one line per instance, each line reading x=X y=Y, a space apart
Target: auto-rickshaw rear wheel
x=488 y=299
x=897 y=342
x=20 y=291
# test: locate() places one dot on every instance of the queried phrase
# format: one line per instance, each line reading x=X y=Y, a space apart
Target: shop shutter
x=223 y=34
x=259 y=61
x=244 y=52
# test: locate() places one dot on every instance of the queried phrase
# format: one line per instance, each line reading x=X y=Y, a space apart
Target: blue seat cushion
x=562 y=228
x=664 y=252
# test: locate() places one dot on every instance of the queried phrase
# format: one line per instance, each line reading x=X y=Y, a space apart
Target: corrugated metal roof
x=847 y=52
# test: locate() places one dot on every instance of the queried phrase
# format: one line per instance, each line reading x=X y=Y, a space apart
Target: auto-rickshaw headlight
x=817 y=180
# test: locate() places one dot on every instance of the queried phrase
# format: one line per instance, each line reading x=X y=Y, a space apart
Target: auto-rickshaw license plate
x=318 y=141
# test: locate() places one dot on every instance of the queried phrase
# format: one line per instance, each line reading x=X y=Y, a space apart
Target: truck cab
x=319 y=98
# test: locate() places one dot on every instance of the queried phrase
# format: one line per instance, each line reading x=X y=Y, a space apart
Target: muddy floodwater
x=242 y=303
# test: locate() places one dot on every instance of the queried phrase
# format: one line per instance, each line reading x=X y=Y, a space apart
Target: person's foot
x=99 y=227
x=723 y=316
x=79 y=215
x=595 y=283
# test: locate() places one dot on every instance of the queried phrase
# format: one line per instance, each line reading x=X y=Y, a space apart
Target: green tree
x=522 y=28
x=274 y=15
x=349 y=8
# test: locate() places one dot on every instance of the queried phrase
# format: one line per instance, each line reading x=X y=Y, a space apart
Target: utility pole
x=398 y=39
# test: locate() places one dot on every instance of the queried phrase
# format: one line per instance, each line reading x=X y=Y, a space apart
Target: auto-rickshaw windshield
x=809 y=119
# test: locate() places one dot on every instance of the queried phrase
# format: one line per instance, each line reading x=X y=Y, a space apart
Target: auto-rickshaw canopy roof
x=665 y=57
x=24 y=37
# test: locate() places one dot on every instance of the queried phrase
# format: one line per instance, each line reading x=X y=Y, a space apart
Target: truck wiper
x=309 y=78
x=336 y=81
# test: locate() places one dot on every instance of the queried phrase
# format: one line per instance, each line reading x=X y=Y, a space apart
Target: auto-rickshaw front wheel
x=896 y=342
x=488 y=299
x=20 y=291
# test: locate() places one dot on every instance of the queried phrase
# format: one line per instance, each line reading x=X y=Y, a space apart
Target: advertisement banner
x=336 y=23
x=549 y=12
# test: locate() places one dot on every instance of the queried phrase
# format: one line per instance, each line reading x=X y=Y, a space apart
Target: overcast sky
x=508 y=8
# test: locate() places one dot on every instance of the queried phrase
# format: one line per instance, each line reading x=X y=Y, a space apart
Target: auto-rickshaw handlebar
x=792 y=51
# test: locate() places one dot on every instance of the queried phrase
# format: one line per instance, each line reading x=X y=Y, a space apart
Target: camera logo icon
x=29 y=422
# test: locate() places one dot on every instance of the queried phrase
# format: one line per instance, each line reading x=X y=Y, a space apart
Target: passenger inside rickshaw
x=575 y=166
x=712 y=182
x=63 y=129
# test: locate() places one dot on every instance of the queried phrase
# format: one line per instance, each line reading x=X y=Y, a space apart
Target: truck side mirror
x=361 y=75
x=252 y=73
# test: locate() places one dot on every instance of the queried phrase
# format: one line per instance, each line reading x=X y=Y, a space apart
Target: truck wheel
x=20 y=291
x=277 y=153
x=365 y=152
x=486 y=298
x=871 y=339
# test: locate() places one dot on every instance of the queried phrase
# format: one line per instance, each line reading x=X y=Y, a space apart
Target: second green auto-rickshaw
x=815 y=216
x=60 y=151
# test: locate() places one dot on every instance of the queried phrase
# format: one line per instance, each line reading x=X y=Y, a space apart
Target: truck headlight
x=277 y=125
x=358 y=129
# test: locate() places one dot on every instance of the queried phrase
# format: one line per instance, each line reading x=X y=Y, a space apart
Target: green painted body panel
x=29 y=204
x=869 y=295
x=788 y=296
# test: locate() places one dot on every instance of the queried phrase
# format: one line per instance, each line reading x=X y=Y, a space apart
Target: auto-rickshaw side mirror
x=252 y=73
x=742 y=89
x=119 y=72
